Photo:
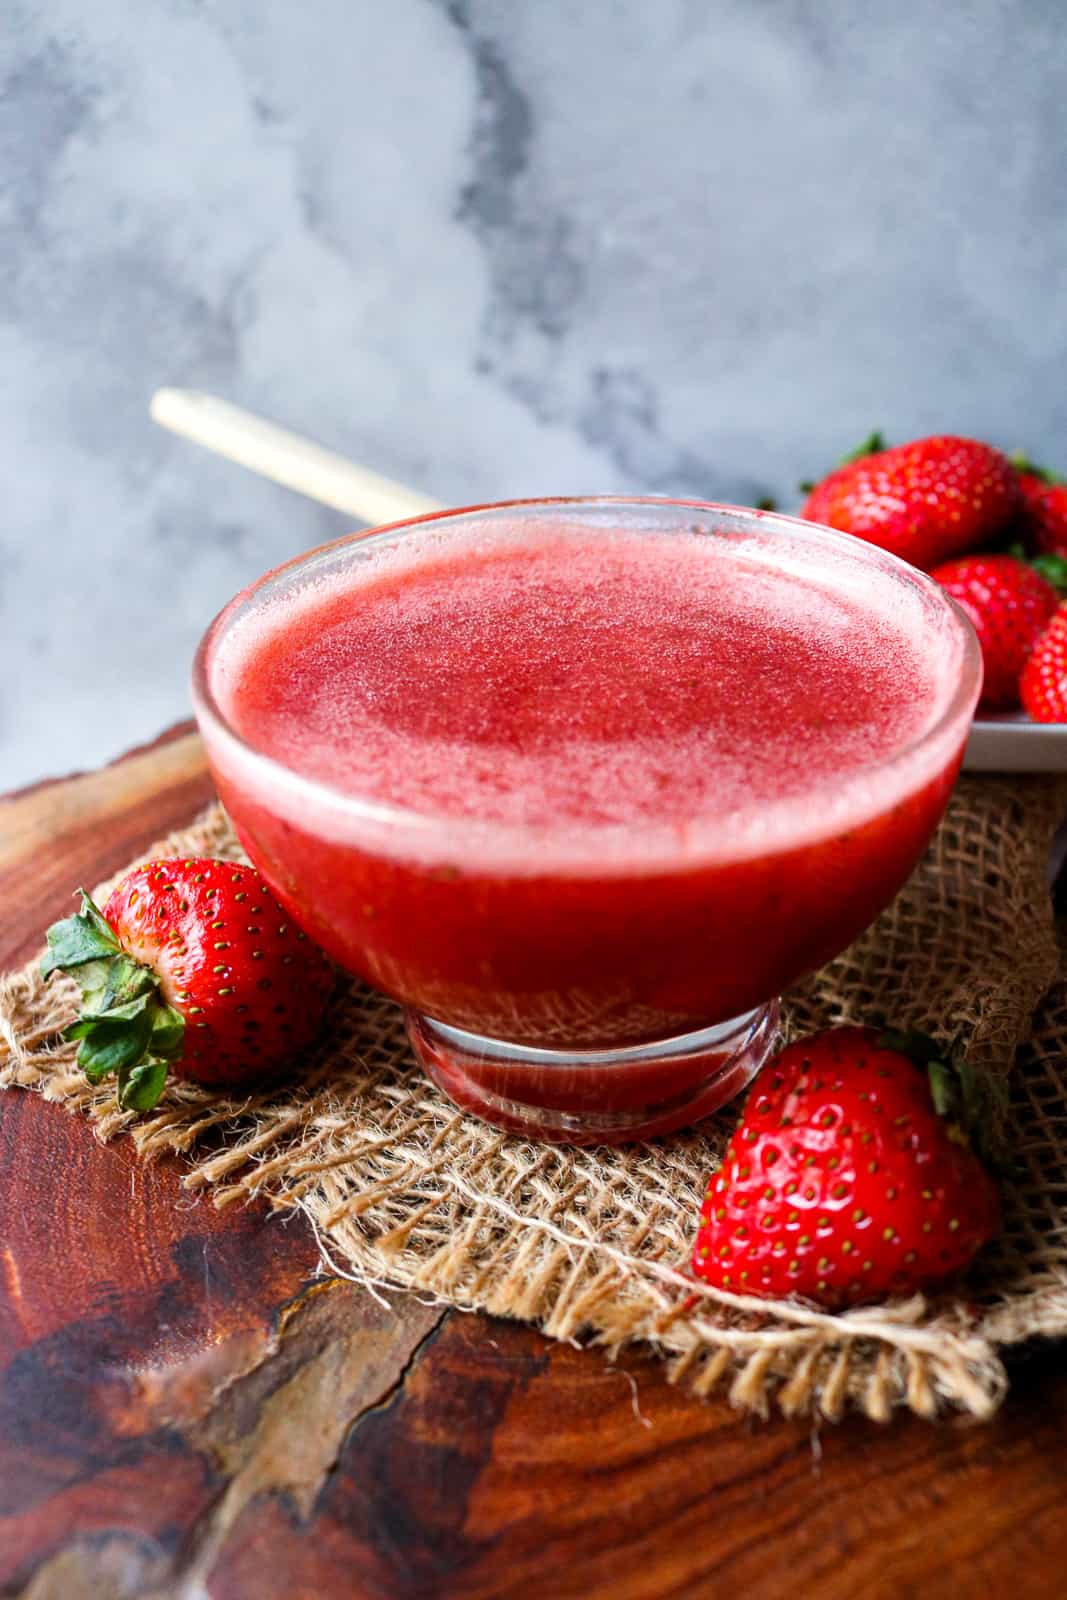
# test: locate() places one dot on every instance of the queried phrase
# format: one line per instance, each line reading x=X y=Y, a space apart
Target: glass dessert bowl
x=586 y=784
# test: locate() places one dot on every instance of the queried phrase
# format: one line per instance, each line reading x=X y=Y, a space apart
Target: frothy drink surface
x=583 y=678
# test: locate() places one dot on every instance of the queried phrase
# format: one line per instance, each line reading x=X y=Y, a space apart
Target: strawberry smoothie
x=570 y=780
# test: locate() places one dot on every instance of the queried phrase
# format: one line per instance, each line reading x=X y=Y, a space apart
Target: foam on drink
x=584 y=678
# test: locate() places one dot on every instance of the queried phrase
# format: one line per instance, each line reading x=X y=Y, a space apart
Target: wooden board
x=187 y=1409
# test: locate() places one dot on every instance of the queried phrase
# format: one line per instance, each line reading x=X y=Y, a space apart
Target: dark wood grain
x=56 y=835
x=187 y=1409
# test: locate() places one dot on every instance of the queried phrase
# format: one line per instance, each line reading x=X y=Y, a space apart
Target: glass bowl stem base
x=586 y=1097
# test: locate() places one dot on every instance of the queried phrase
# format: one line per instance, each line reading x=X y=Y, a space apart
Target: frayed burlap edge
x=590 y=1245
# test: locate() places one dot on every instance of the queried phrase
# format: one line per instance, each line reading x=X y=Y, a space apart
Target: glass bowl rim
x=960 y=702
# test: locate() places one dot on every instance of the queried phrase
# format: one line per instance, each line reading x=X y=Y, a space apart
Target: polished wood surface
x=188 y=1409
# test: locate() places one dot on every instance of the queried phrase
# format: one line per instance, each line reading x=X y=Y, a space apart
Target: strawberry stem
x=78 y=939
x=125 y=1027
x=974 y=1102
x=873 y=445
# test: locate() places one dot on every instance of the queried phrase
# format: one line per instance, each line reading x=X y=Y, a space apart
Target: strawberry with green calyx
x=925 y=501
x=192 y=967
x=1043 y=685
x=852 y=1174
x=126 y=1027
x=1043 y=520
x=1010 y=603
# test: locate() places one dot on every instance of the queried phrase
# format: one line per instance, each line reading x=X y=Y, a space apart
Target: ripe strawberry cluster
x=991 y=530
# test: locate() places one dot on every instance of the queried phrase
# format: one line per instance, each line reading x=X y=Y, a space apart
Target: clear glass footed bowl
x=603 y=977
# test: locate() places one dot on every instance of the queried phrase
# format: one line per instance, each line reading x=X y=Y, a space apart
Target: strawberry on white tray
x=993 y=529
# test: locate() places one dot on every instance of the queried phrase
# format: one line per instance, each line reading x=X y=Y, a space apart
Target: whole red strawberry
x=1043 y=685
x=844 y=1182
x=925 y=501
x=1010 y=605
x=193 y=964
x=1043 y=523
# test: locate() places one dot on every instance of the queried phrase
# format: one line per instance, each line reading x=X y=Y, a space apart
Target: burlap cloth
x=593 y=1244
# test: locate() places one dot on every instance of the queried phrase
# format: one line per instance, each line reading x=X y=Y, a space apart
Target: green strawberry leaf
x=95 y=1071
x=140 y=1086
x=117 y=1020
x=168 y=1032
x=94 y=978
x=974 y=1102
x=945 y=1090
x=125 y=1027
x=1053 y=569
x=112 y=1045
x=127 y=981
x=78 y=939
x=127 y=1011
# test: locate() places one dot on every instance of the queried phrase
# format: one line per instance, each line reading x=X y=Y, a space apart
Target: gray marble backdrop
x=493 y=247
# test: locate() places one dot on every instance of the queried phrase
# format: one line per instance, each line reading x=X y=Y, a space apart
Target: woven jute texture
x=593 y=1244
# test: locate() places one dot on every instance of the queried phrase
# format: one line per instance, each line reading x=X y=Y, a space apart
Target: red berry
x=924 y=501
x=1044 y=514
x=1010 y=605
x=1043 y=686
x=842 y=1182
x=194 y=964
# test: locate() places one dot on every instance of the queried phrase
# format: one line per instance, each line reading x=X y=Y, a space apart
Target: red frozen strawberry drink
x=586 y=784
